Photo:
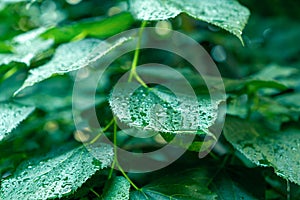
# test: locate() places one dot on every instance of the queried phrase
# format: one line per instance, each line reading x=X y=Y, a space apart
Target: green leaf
x=57 y=174
x=252 y=85
x=117 y=188
x=5 y=48
x=3 y=3
x=287 y=76
x=289 y=100
x=226 y=14
x=266 y=147
x=275 y=112
x=92 y=27
x=187 y=185
x=228 y=189
x=161 y=111
x=10 y=117
x=273 y=72
x=70 y=57
x=25 y=47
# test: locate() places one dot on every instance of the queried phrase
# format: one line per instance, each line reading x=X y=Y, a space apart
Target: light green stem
x=116 y=163
x=102 y=131
x=133 y=73
x=92 y=190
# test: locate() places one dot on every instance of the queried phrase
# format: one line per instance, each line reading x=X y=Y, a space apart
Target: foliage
x=44 y=43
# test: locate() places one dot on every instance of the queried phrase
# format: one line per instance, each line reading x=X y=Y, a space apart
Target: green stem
x=288 y=190
x=102 y=131
x=112 y=168
x=115 y=150
x=133 y=73
x=214 y=156
x=115 y=162
x=92 y=190
x=115 y=138
x=126 y=176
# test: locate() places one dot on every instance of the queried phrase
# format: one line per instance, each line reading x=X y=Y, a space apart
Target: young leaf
x=70 y=57
x=25 y=47
x=117 y=188
x=188 y=185
x=266 y=147
x=55 y=175
x=226 y=14
x=91 y=27
x=156 y=110
x=10 y=116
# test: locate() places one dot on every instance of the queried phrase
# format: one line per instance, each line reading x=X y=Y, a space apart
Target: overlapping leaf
x=187 y=185
x=117 y=188
x=70 y=57
x=57 y=174
x=156 y=110
x=10 y=116
x=25 y=47
x=230 y=186
x=99 y=28
x=226 y=14
x=265 y=147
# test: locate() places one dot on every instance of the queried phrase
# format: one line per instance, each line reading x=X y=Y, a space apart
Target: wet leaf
x=160 y=111
x=57 y=174
x=266 y=147
x=70 y=57
x=10 y=117
x=117 y=188
x=25 y=47
x=226 y=14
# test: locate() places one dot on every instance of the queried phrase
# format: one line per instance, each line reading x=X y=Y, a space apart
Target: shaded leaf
x=10 y=116
x=248 y=84
x=161 y=111
x=227 y=187
x=287 y=76
x=187 y=185
x=274 y=112
x=252 y=85
x=290 y=100
x=273 y=72
x=279 y=187
x=266 y=147
x=91 y=27
x=226 y=14
x=57 y=174
x=58 y=92
x=25 y=47
x=117 y=188
x=70 y=57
